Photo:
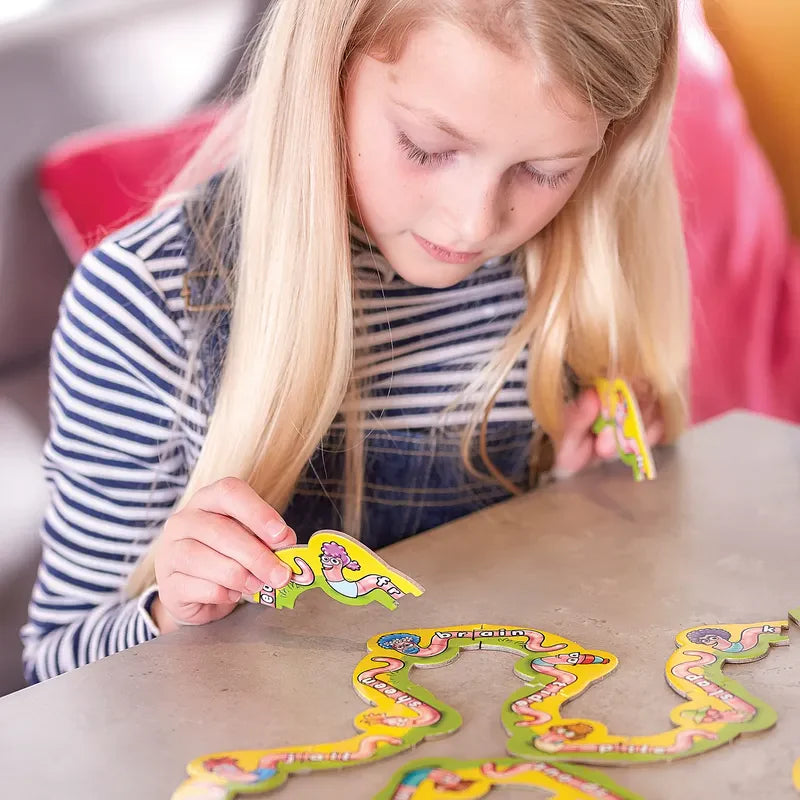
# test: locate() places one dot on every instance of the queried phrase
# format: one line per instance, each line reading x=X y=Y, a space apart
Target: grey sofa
x=81 y=64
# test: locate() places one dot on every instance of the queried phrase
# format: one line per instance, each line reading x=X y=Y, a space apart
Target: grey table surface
x=610 y=564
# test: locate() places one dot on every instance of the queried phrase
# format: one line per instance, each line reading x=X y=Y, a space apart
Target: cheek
x=531 y=208
x=386 y=190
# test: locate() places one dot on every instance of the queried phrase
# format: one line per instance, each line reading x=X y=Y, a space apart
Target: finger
x=184 y=589
x=605 y=445
x=655 y=432
x=235 y=498
x=576 y=447
x=574 y=458
x=190 y=557
x=228 y=538
x=581 y=414
x=649 y=412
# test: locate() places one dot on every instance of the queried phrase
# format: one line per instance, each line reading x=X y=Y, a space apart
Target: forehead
x=494 y=96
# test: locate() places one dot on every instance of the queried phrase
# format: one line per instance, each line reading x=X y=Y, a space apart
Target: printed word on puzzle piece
x=554 y=671
x=429 y=779
x=620 y=411
x=344 y=569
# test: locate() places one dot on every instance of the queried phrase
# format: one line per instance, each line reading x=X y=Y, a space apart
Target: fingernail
x=253 y=584
x=286 y=539
x=235 y=597
x=274 y=529
x=281 y=576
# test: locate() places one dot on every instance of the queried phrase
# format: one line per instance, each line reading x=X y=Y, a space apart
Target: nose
x=476 y=212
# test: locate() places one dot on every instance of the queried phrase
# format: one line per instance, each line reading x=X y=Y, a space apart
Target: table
x=610 y=564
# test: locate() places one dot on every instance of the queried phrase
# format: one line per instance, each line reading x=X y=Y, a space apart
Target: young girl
x=440 y=220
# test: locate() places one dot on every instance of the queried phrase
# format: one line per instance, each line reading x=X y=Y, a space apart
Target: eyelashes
x=543 y=179
x=423 y=158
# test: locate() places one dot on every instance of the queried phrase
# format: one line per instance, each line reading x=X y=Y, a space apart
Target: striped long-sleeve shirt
x=125 y=431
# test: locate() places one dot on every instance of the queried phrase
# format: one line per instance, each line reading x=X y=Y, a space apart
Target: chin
x=419 y=269
x=435 y=276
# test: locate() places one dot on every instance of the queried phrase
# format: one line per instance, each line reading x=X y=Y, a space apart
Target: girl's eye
x=543 y=179
x=422 y=157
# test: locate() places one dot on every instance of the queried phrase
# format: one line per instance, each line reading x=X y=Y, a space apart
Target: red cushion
x=96 y=182
x=745 y=266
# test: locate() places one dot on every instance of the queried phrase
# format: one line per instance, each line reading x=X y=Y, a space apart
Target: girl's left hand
x=579 y=447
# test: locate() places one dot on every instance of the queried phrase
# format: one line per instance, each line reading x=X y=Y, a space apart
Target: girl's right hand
x=215 y=549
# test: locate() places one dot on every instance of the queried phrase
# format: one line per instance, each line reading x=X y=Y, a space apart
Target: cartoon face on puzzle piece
x=572 y=659
x=334 y=557
x=713 y=637
x=561 y=734
x=720 y=639
x=405 y=643
x=229 y=768
x=443 y=780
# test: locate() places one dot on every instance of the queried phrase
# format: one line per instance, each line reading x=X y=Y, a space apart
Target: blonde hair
x=606 y=279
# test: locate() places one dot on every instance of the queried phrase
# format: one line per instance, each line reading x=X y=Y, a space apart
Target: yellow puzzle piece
x=620 y=411
x=344 y=569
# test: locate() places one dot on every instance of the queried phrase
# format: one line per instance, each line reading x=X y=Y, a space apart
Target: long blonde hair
x=606 y=279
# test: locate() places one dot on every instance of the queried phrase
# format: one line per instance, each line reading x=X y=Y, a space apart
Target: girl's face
x=460 y=153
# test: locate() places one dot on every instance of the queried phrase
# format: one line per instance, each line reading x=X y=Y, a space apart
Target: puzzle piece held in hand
x=620 y=411
x=344 y=569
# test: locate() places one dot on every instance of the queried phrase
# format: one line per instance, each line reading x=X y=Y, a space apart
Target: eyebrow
x=581 y=152
x=442 y=124
x=434 y=119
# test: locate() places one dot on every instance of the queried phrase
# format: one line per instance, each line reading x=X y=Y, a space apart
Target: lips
x=445 y=255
